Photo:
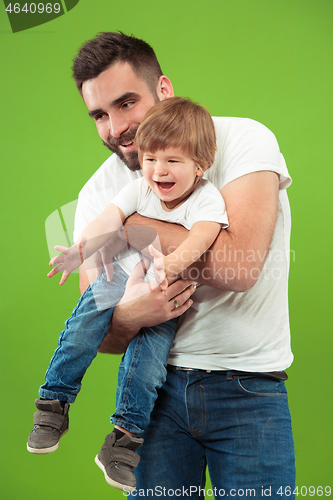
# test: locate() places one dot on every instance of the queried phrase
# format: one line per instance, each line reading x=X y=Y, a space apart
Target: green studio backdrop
x=263 y=59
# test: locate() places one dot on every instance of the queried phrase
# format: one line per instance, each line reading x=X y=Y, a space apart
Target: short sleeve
x=209 y=205
x=128 y=199
x=245 y=146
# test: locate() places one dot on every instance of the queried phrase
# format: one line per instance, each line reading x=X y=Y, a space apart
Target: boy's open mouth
x=165 y=186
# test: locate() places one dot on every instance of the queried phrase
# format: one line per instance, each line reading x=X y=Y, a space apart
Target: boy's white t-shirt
x=204 y=204
x=246 y=331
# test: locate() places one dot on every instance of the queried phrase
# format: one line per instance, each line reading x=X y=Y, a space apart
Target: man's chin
x=131 y=159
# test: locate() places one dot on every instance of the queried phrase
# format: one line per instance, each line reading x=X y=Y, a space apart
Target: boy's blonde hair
x=178 y=122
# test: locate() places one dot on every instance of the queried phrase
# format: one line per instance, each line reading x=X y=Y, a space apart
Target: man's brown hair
x=178 y=122
x=108 y=48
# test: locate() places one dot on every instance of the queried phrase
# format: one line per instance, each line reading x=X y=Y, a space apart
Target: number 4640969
x=33 y=8
x=304 y=491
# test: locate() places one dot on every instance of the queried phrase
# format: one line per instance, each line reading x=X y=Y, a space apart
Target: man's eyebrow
x=119 y=100
x=94 y=112
x=124 y=97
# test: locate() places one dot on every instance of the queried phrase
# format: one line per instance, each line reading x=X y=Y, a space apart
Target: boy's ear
x=200 y=171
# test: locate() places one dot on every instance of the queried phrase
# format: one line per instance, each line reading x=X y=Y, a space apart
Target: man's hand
x=145 y=304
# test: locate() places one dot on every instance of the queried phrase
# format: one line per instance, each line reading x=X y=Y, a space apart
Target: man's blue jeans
x=240 y=426
x=141 y=371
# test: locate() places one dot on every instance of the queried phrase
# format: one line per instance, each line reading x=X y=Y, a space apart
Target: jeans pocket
x=261 y=387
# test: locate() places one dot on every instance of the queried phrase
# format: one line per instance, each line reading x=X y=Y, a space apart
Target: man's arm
x=235 y=259
x=199 y=239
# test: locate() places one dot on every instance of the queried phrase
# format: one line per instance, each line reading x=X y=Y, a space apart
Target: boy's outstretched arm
x=92 y=238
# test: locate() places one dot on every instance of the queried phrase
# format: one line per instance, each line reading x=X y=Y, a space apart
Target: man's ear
x=164 y=88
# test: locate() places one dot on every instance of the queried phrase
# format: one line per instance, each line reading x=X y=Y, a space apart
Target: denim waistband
x=277 y=375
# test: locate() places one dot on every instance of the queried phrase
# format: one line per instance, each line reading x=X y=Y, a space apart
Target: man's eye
x=99 y=117
x=127 y=104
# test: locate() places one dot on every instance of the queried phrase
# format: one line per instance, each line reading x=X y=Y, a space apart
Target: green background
x=270 y=60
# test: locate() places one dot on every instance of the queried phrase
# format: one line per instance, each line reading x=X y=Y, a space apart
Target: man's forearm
x=121 y=332
x=209 y=269
x=222 y=266
x=236 y=258
x=122 y=329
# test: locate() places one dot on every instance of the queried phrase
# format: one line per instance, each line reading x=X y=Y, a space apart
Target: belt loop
x=230 y=375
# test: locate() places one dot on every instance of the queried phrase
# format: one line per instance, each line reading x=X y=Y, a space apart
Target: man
x=224 y=403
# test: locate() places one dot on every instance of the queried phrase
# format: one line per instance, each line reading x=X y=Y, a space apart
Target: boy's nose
x=161 y=169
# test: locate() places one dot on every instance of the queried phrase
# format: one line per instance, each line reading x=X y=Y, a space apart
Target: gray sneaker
x=117 y=459
x=50 y=423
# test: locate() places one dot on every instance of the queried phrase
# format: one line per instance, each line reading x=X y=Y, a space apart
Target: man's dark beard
x=131 y=159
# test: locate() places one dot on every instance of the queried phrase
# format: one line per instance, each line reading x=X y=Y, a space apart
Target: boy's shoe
x=117 y=459
x=50 y=423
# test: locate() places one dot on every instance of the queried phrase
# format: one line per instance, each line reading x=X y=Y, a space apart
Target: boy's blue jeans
x=142 y=370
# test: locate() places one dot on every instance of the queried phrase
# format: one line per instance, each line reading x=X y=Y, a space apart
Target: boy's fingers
x=61 y=249
x=155 y=253
x=55 y=270
x=52 y=273
x=164 y=285
x=158 y=265
x=56 y=260
x=64 y=278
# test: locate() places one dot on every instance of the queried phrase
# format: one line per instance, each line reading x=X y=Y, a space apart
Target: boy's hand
x=70 y=259
x=158 y=266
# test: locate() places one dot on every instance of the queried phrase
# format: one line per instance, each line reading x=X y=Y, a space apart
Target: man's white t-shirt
x=246 y=331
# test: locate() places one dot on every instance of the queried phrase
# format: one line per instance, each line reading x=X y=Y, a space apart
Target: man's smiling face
x=118 y=101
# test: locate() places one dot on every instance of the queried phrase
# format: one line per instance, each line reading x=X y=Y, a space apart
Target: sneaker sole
x=110 y=481
x=45 y=451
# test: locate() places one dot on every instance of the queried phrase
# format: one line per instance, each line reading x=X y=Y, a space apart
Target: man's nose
x=118 y=126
